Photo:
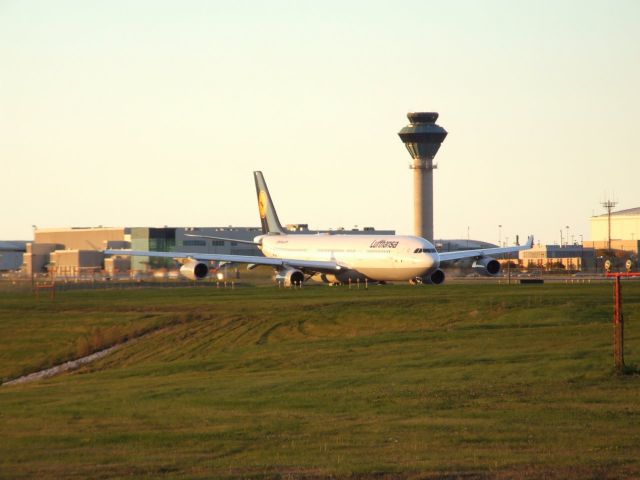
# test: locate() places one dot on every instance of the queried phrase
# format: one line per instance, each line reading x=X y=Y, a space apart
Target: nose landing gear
x=436 y=278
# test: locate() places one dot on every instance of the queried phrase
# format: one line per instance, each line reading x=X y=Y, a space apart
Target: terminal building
x=68 y=250
x=558 y=257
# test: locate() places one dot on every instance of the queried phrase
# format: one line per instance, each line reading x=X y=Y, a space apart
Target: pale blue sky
x=156 y=113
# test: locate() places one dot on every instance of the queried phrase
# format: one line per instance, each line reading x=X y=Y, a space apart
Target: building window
x=194 y=243
x=217 y=243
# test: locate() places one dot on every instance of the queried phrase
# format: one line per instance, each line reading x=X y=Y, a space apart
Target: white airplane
x=333 y=258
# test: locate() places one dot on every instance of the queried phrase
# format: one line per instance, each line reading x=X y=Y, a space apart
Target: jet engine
x=194 y=270
x=436 y=278
x=487 y=266
x=289 y=277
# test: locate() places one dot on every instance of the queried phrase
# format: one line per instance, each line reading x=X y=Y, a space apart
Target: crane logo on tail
x=262 y=204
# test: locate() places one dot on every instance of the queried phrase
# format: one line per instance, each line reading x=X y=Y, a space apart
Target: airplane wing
x=226 y=239
x=310 y=265
x=484 y=252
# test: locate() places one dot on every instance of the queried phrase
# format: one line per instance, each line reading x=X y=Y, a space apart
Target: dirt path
x=70 y=365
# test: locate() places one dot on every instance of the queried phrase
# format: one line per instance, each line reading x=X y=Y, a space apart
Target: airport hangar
x=625 y=230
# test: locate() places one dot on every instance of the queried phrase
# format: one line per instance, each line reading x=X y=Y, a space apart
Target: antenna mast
x=609 y=205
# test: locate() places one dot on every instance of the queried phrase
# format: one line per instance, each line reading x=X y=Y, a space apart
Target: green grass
x=485 y=380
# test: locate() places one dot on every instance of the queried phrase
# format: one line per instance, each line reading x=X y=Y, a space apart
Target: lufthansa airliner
x=333 y=258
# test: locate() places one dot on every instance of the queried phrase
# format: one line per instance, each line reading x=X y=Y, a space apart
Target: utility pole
x=609 y=205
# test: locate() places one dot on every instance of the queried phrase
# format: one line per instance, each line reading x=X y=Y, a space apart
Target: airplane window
x=417 y=250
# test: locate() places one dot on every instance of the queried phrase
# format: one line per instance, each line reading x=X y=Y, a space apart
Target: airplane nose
x=429 y=261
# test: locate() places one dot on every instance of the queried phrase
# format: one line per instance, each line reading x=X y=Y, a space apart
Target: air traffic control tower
x=423 y=138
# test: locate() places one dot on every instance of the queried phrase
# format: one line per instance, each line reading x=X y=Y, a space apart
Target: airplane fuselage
x=376 y=257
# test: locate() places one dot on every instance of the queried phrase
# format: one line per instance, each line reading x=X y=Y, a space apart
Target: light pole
x=567 y=236
x=499 y=235
x=508 y=255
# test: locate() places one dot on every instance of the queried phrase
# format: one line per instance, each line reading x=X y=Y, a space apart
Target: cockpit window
x=423 y=250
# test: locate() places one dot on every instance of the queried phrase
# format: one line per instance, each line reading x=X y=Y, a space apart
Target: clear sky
x=151 y=113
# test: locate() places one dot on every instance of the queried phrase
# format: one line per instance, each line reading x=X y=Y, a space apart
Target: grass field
x=469 y=381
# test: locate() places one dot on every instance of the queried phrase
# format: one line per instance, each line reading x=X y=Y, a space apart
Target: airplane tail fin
x=268 y=215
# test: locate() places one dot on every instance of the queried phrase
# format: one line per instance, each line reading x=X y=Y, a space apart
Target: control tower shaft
x=423 y=138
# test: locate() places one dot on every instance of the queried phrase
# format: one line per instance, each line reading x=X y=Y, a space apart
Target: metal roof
x=628 y=211
x=13 y=245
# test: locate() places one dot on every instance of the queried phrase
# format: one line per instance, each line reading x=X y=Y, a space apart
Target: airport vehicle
x=333 y=258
